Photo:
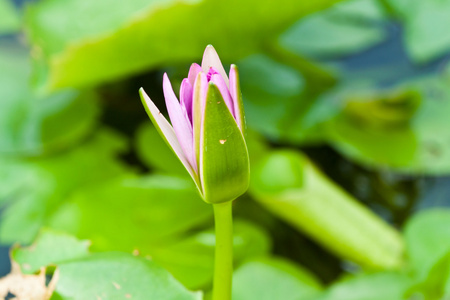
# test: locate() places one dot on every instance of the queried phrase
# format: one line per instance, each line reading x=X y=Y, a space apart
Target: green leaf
x=137 y=35
x=427 y=236
x=115 y=275
x=191 y=260
x=34 y=124
x=39 y=186
x=287 y=90
x=435 y=284
x=271 y=278
x=154 y=152
x=343 y=29
x=50 y=248
x=224 y=163
x=136 y=213
x=425 y=24
x=108 y=275
x=403 y=129
x=290 y=186
x=9 y=18
x=376 y=286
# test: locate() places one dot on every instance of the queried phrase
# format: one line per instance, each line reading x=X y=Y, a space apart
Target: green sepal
x=224 y=163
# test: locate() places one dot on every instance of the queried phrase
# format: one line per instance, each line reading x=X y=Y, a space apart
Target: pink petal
x=237 y=98
x=211 y=60
x=220 y=83
x=193 y=72
x=180 y=122
x=167 y=133
x=186 y=98
x=198 y=108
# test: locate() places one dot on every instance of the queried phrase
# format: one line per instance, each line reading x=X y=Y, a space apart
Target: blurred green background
x=347 y=105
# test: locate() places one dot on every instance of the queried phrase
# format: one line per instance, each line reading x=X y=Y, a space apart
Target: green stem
x=223 y=265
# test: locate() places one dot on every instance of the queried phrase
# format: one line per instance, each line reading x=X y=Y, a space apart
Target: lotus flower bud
x=207 y=130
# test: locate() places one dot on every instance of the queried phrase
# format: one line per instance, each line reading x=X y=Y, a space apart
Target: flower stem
x=223 y=265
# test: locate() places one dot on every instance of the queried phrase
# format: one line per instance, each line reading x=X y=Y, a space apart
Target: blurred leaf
x=287 y=90
x=131 y=213
x=270 y=278
x=290 y=186
x=72 y=36
x=115 y=275
x=425 y=24
x=154 y=152
x=427 y=236
x=191 y=260
x=32 y=124
x=396 y=135
x=376 y=286
x=9 y=18
x=50 y=248
x=268 y=88
x=41 y=185
x=343 y=29
x=436 y=283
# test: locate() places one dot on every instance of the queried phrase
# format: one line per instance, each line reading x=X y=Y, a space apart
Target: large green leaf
x=32 y=124
x=270 y=278
x=404 y=129
x=342 y=29
x=36 y=187
x=74 y=36
x=290 y=186
x=9 y=17
x=191 y=260
x=132 y=213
